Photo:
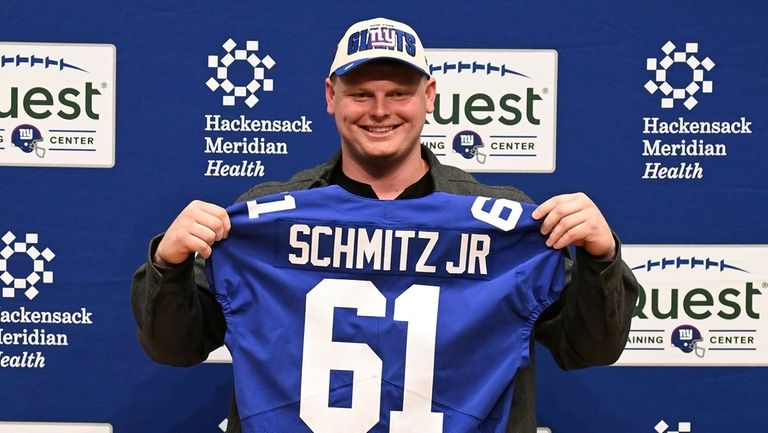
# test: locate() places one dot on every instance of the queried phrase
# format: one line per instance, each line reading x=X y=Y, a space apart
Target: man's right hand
x=194 y=230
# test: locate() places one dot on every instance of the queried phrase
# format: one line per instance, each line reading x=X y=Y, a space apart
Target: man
x=379 y=98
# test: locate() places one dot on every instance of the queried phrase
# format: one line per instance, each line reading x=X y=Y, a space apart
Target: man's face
x=380 y=109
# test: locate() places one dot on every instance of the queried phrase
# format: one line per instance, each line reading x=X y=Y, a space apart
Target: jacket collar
x=324 y=175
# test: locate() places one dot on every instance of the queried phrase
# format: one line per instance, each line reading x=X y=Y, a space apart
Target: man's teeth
x=381 y=129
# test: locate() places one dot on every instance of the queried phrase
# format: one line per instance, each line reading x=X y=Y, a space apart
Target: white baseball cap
x=378 y=39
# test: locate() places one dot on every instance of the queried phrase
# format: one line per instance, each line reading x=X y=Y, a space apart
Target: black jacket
x=180 y=322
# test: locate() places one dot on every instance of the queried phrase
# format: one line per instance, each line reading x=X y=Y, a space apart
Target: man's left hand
x=575 y=219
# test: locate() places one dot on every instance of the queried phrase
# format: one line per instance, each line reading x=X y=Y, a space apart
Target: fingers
x=194 y=230
x=558 y=208
x=575 y=219
x=571 y=229
x=564 y=235
x=212 y=217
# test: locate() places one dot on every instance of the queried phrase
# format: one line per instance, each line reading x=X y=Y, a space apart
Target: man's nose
x=380 y=106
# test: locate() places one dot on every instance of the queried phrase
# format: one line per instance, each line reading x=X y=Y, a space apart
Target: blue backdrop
x=98 y=220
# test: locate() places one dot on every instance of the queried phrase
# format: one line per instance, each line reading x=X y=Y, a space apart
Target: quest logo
x=495 y=110
x=58 y=105
x=699 y=305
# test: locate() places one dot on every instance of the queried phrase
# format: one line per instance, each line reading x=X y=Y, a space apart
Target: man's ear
x=330 y=94
x=431 y=91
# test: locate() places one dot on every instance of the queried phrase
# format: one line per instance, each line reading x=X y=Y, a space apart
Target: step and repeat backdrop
x=113 y=116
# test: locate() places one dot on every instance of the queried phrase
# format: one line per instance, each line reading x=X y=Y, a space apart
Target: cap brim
x=343 y=69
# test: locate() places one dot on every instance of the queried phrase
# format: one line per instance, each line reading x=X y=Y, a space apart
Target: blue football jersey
x=347 y=314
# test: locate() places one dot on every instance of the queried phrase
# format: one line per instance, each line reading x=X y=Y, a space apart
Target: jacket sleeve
x=179 y=321
x=590 y=322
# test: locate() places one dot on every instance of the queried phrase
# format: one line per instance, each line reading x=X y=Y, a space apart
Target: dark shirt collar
x=420 y=188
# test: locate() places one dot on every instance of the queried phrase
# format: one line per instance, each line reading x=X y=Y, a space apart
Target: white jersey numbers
x=418 y=306
x=495 y=216
x=503 y=214
x=255 y=209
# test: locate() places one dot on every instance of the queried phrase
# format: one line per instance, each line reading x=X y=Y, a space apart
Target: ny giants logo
x=382 y=38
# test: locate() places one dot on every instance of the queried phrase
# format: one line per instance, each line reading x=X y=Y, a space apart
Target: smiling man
x=379 y=92
x=380 y=109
